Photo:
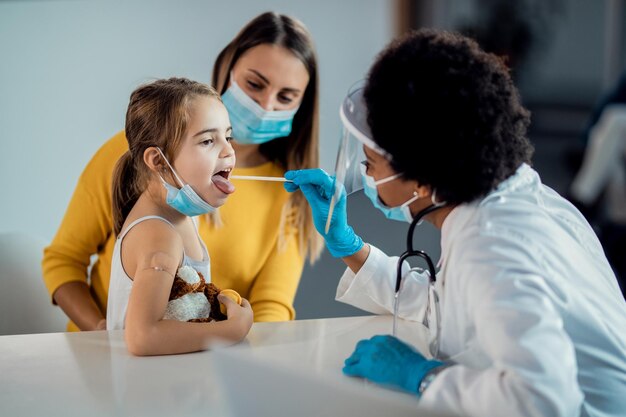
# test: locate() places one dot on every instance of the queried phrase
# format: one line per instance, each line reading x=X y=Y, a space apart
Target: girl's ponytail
x=125 y=191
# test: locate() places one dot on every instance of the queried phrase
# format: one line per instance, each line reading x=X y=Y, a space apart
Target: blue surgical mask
x=185 y=200
x=401 y=213
x=252 y=124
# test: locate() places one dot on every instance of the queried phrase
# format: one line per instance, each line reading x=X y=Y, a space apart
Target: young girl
x=177 y=167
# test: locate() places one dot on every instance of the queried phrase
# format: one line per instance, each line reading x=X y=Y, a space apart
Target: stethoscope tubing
x=409 y=247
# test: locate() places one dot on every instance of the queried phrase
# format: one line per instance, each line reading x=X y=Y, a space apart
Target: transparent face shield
x=355 y=135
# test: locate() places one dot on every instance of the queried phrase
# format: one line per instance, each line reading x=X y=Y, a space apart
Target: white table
x=92 y=373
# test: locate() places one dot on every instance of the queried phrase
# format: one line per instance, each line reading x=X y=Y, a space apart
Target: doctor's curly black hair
x=448 y=113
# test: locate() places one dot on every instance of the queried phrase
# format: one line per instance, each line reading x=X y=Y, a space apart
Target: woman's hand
x=318 y=188
x=240 y=316
x=78 y=303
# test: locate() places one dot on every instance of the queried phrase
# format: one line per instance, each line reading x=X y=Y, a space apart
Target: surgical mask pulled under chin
x=401 y=213
x=185 y=200
x=252 y=124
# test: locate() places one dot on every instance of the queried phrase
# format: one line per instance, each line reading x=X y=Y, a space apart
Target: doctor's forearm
x=356 y=261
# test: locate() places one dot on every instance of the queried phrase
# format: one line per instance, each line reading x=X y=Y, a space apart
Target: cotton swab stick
x=330 y=214
x=259 y=178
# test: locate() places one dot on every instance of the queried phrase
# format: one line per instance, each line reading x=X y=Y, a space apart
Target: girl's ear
x=153 y=159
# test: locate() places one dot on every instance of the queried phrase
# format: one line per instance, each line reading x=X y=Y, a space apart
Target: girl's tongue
x=223 y=184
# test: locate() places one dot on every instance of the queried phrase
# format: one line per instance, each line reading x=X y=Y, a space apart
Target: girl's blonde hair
x=300 y=149
x=157 y=116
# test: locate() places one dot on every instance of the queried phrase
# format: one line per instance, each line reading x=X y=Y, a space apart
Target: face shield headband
x=355 y=134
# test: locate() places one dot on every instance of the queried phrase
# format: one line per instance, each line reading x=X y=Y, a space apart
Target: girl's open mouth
x=220 y=179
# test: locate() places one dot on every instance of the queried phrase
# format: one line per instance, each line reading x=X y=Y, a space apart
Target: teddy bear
x=192 y=299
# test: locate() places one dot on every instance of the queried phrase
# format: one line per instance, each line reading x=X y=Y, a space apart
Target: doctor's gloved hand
x=318 y=188
x=389 y=361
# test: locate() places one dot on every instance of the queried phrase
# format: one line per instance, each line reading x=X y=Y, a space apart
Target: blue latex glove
x=318 y=188
x=387 y=360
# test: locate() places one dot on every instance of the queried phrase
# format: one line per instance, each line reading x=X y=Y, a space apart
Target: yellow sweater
x=244 y=251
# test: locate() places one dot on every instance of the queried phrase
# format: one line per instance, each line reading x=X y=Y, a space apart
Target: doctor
x=525 y=314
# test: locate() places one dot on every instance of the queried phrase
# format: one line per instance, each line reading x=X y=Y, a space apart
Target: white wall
x=67 y=69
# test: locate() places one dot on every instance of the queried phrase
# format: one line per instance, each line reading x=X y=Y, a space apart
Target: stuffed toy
x=192 y=299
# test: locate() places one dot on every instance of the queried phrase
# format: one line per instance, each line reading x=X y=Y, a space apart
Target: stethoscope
x=433 y=298
x=412 y=252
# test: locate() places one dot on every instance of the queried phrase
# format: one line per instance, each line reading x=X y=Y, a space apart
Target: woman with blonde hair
x=267 y=76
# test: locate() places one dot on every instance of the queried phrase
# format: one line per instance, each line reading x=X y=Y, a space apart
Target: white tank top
x=120 y=283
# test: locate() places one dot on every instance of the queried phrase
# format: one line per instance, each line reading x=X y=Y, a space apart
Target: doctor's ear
x=423 y=190
x=153 y=159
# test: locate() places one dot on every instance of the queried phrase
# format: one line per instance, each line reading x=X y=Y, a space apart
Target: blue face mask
x=184 y=200
x=252 y=124
x=401 y=213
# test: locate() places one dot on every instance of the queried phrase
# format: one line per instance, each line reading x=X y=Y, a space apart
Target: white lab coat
x=531 y=311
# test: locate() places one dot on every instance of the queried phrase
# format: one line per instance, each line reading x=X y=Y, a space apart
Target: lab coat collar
x=461 y=214
x=452 y=225
x=524 y=176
